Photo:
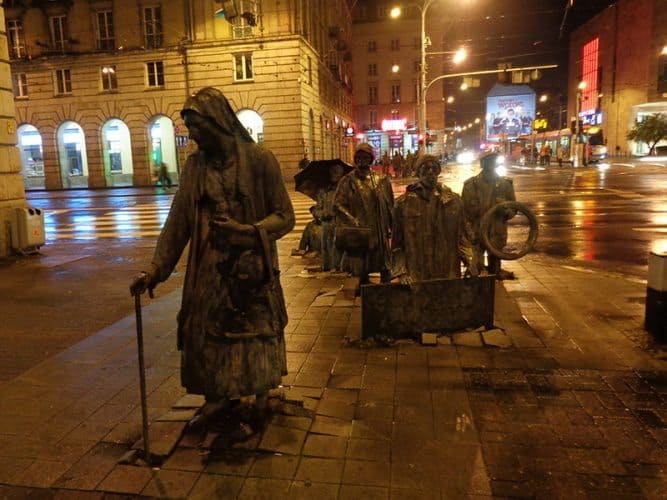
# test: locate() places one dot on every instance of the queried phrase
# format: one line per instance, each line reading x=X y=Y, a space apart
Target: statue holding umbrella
x=319 y=181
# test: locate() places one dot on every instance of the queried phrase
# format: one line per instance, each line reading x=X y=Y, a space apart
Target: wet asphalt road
x=608 y=216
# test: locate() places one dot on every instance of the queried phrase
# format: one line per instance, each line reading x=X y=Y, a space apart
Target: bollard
x=656 y=296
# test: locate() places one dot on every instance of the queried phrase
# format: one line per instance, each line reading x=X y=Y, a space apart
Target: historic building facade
x=12 y=194
x=386 y=69
x=98 y=84
x=621 y=55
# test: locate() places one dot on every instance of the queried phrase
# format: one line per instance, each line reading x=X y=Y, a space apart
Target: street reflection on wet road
x=612 y=214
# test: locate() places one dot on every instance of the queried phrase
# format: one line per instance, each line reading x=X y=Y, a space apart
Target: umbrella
x=315 y=176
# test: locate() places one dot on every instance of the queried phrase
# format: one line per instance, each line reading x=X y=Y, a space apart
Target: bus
x=523 y=149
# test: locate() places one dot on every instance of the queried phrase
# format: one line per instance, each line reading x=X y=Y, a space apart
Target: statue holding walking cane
x=231 y=207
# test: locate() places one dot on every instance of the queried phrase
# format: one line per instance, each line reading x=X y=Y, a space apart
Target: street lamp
x=424 y=42
x=579 y=146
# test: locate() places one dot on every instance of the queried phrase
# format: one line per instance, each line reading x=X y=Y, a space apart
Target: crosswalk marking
x=137 y=221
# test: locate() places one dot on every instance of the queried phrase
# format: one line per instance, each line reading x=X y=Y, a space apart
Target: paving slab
x=279 y=439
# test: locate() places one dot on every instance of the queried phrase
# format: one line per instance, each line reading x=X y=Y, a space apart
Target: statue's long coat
x=212 y=364
x=367 y=202
x=479 y=195
x=430 y=238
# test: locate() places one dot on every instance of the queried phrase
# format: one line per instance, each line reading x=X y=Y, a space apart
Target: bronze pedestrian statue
x=430 y=239
x=324 y=210
x=363 y=204
x=231 y=207
x=480 y=193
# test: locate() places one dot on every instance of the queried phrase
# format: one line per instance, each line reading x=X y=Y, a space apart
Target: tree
x=650 y=130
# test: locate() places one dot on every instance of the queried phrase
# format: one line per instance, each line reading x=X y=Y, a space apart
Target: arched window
x=72 y=155
x=163 y=147
x=117 y=153
x=32 y=158
x=253 y=123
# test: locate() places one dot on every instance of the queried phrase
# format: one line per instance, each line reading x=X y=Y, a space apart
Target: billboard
x=509 y=116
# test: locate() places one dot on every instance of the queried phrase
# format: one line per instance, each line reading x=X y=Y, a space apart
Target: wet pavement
x=574 y=405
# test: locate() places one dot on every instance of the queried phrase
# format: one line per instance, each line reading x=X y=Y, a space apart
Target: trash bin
x=656 y=296
x=28 y=229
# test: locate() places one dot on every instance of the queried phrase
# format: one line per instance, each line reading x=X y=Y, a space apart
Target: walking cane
x=142 y=374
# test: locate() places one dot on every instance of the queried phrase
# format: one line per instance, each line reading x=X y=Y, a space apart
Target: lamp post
x=459 y=55
x=579 y=146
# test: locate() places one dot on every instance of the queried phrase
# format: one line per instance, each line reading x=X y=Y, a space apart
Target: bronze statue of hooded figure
x=231 y=207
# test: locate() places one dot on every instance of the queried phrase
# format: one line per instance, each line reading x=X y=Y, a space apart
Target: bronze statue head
x=428 y=169
x=363 y=156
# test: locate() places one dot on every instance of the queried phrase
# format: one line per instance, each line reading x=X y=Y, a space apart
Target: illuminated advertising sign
x=589 y=74
x=394 y=125
x=508 y=117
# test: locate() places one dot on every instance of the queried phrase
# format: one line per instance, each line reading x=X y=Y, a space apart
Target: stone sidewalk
x=575 y=406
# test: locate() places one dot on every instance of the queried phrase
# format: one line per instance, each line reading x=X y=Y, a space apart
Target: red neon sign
x=589 y=74
x=394 y=125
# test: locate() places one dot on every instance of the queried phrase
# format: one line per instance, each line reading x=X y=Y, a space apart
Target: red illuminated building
x=620 y=55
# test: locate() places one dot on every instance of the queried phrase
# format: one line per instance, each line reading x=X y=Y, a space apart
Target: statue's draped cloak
x=247 y=185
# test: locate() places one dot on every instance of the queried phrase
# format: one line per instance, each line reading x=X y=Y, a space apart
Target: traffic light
x=231 y=9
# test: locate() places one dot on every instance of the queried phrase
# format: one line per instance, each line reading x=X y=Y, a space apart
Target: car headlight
x=466 y=157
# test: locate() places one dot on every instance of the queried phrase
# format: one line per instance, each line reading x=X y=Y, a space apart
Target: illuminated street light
x=477 y=120
x=464 y=86
x=664 y=51
x=460 y=56
x=395 y=68
x=424 y=42
x=544 y=98
x=450 y=99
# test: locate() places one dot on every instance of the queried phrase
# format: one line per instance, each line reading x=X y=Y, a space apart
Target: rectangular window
x=152 y=27
x=395 y=45
x=372 y=46
x=155 y=74
x=16 y=38
x=105 y=36
x=62 y=82
x=396 y=92
x=662 y=75
x=242 y=67
x=20 y=85
x=108 y=74
x=372 y=69
x=372 y=94
x=58 y=25
x=373 y=119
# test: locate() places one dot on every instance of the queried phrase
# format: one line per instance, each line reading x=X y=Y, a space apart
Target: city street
x=570 y=404
x=598 y=218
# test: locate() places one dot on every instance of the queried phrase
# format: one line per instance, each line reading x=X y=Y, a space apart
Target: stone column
x=12 y=192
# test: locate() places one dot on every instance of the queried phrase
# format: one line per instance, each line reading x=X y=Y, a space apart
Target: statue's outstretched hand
x=142 y=282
